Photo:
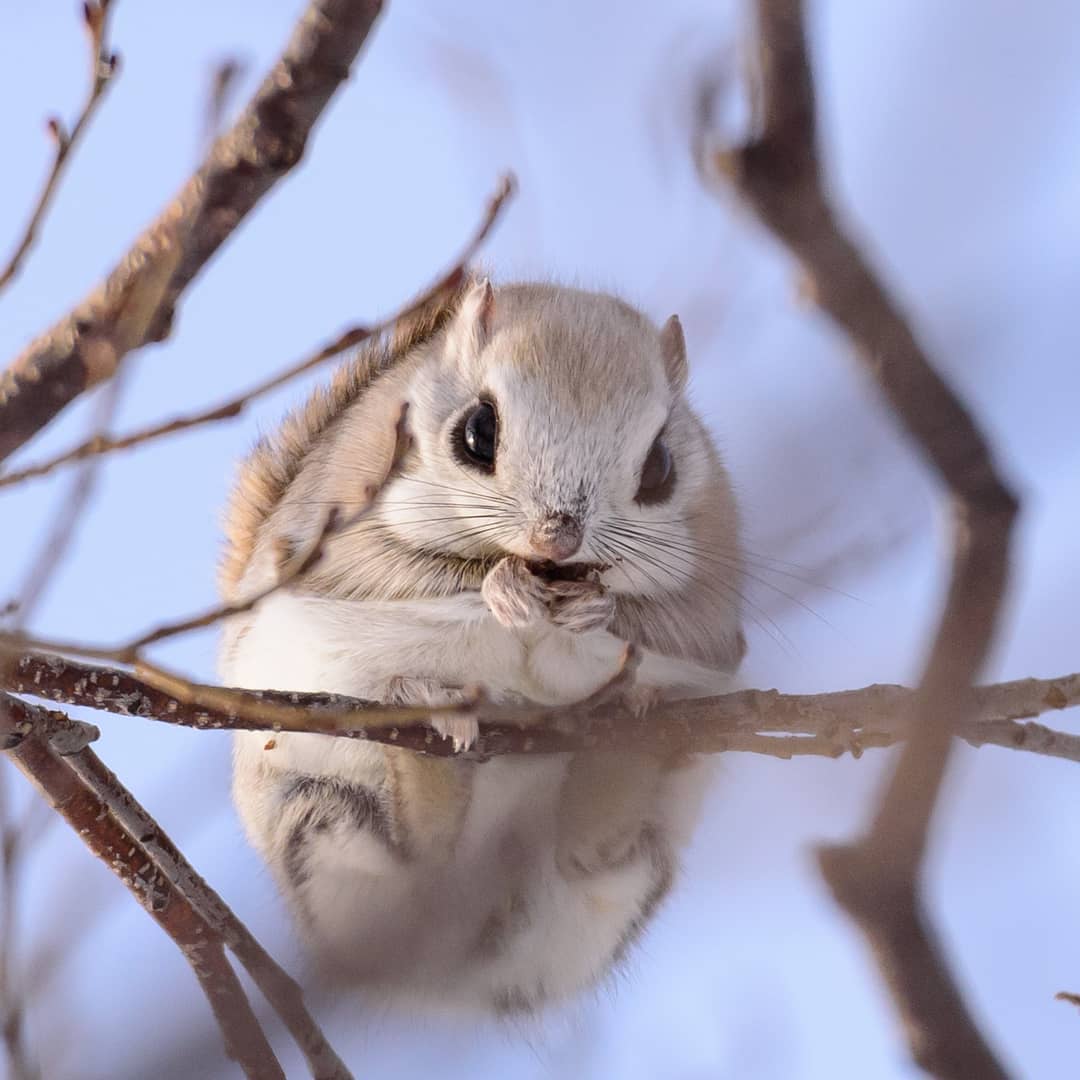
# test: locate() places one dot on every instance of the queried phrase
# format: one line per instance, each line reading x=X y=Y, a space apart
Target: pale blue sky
x=953 y=143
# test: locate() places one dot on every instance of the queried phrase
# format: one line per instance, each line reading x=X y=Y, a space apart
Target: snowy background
x=953 y=141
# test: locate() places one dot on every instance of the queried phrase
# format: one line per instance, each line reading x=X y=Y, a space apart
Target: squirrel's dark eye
x=657 y=475
x=477 y=437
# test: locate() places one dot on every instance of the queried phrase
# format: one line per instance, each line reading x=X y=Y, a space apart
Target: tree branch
x=103 y=67
x=69 y=513
x=877 y=877
x=291 y=571
x=29 y=734
x=354 y=336
x=755 y=721
x=279 y=989
x=135 y=304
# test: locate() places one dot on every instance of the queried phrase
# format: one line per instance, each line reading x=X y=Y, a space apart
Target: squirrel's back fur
x=277 y=458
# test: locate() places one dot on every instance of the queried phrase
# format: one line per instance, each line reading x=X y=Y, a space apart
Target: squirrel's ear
x=673 y=349
x=471 y=328
x=477 y=315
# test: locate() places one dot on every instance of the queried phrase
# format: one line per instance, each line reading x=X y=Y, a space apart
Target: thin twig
x=104 y=64
x=28 y=732
x=290 y=573
x=42 y=572
x=223 y=79
x=69 y=514
x=274 y=710
x=832 y=724
x=294 y=569
x=877 y=878
x=293 y=572
x=349 y=339
x=264 y=143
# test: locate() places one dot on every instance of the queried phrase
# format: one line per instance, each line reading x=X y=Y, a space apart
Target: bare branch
x=280 y=990
x=830 y=725
x=349 y=339
x=271 y=711
x=68 y=516
x=877 y=878
x=291 y=572
x=294 y=571
x=28 y=732
x=104 y=64
x=69 y=738
x=135 y=304
x=222 y=82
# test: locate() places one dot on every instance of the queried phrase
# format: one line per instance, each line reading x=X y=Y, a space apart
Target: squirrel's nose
x=556 y=537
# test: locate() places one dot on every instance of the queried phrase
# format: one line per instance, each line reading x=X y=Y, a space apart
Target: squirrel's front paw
x=514 y=594
x=578 y=606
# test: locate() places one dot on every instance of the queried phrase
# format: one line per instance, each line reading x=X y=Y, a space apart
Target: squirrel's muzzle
x=556 y=537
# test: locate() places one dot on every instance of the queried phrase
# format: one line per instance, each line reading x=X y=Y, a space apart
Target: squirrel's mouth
x=582 y=571
x=475 y=567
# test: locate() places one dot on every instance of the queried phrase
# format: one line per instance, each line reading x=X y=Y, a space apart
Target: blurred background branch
x=135 y=304
x=878 y=878
x=103 y=66
x=100 y=443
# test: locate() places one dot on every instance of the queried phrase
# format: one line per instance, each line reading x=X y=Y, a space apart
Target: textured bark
x=30 y=737
x=276 y=985
x=101 y=443
x=136 y=302
x=754 y=721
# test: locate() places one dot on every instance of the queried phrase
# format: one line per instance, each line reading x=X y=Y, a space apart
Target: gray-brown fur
x=263 y=479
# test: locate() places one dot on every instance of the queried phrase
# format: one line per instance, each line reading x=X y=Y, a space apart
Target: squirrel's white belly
x=492 y=922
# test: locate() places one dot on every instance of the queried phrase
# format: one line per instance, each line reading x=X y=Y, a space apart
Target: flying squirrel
x=550 y=432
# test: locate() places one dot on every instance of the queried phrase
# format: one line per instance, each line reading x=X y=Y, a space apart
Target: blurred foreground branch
x=53 y=753
x=135 y=304
x=101 y=443
x=877 y=878
x=41 y=742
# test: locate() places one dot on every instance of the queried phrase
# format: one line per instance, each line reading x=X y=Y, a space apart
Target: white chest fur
x=494 y=921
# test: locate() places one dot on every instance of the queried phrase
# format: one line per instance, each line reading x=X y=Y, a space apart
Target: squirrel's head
x=552 y=424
